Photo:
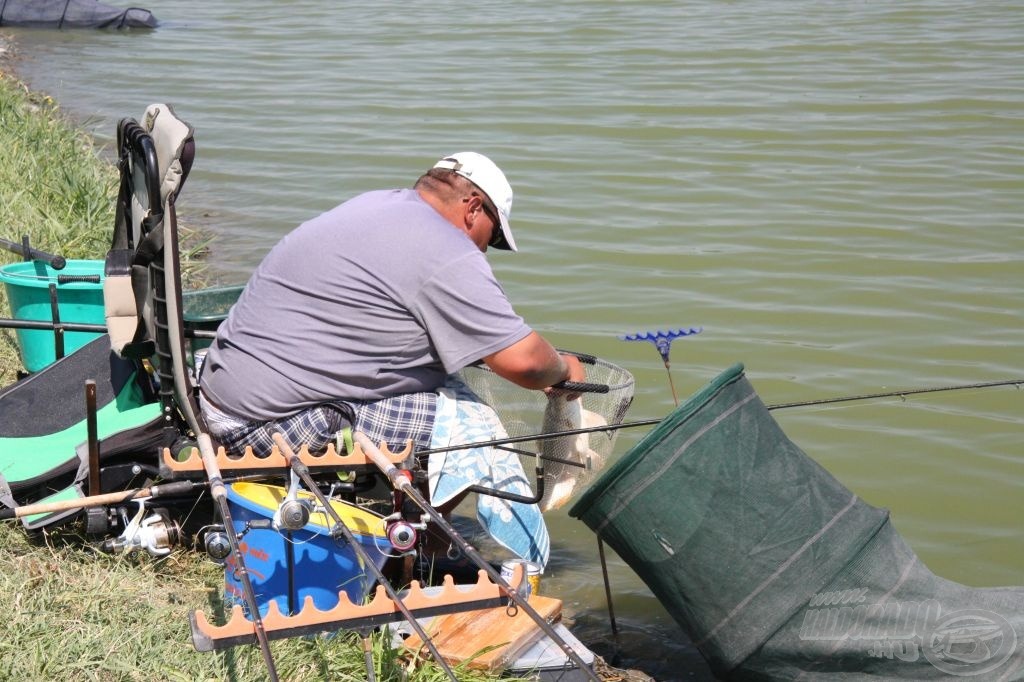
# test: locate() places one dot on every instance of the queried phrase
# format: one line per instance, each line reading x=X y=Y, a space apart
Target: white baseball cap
x=483 y=173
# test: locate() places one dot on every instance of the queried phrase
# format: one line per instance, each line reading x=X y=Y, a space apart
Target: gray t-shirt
x=377 y=297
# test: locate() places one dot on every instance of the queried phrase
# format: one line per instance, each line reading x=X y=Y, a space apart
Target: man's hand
x=576 y=372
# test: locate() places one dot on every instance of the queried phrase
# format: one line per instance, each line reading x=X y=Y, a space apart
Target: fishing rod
x=302 y=471
x=160 y=490
x=172 y=489
x=654 y=422
x=899 y=394
x=220 y=496
x=25 y=250
x=401 y=481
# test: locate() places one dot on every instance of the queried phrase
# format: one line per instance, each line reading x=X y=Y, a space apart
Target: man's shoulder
x=388 y=227
x=385 y=197
x=393 y=194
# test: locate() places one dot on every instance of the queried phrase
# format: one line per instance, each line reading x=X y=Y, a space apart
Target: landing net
x=526 y=412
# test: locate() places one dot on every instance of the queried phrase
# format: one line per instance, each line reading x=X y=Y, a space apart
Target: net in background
x=72 y=14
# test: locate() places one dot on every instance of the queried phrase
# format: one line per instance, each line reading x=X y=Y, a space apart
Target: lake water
x=832 y=190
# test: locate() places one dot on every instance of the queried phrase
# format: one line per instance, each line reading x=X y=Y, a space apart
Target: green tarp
x=775 y=570
x=44 y=427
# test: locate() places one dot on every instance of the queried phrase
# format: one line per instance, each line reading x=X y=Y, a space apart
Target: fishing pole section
x=219 y=494
x=402 y=481
x=302 y=471
x=641 y=423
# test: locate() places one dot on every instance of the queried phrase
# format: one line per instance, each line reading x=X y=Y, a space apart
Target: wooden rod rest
x=275 y=461
x=451 y=598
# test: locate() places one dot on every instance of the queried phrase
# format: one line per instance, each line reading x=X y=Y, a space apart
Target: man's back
x=376 y=297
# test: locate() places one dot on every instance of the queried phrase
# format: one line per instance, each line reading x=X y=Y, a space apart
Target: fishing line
x=780 y=406
x=899 y=394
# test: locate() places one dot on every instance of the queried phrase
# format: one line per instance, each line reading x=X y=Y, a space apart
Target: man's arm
x=532 y=362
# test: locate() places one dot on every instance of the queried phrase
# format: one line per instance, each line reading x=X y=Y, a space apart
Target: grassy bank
x=74 y=613
x=53 y=187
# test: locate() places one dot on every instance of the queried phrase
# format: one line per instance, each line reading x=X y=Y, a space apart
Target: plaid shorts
x=398 y=419
x=393 y=420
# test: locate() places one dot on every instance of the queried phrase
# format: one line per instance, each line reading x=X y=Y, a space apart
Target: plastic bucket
x=287 y=567
x=204 y=310
x=28 y=292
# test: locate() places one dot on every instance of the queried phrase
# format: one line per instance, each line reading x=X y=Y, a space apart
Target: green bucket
x=28 y=292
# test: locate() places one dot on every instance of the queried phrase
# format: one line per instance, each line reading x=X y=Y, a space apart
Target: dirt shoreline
x=6 y=53
x=9 y=58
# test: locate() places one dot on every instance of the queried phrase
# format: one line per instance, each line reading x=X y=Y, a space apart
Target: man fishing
x=357 y=317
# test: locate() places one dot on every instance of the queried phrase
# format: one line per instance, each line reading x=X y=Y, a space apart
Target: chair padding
x=139 y=236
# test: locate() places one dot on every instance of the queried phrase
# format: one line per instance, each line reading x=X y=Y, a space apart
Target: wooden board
x=460 y=636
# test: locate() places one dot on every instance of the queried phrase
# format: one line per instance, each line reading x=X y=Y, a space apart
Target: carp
x=560 y=478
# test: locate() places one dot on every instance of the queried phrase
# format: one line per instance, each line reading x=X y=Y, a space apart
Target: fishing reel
x=216 y=543
x=403 y=534
x=292 y=515
x=156 y=533
x=293 y=512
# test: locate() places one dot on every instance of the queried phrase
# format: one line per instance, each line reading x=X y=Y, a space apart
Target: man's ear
x=473 y=205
